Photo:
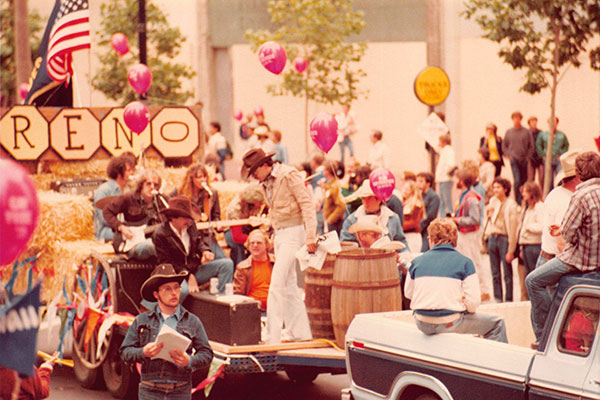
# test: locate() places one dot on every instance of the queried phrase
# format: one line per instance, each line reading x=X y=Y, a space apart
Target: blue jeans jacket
x=145 y=329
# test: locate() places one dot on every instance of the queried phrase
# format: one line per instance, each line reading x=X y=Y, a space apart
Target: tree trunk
x=552 y=123
x=306 y=129
x=22 y=51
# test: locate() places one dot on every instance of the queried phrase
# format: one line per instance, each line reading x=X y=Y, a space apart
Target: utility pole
x=23 y=62
x=434 y=53
x=142 y=35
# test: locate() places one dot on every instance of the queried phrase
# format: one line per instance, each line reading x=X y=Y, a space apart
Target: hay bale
x=228 y=190
x=43 y=181
x=93 y=168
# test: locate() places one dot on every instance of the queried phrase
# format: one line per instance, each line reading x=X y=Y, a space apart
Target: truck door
x=564 y=370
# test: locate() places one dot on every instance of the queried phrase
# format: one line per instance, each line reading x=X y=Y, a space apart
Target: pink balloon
x=300 y=64
x=237 y=114
x=23 y=90
x=382 y=183
x=140 y=78
x=259 y=111
x=19 y=210
x=323 y=131
x=272 y=56
x=136 y=116
x=120 y=43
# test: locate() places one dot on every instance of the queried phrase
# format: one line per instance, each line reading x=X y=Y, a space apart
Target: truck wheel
x=121 y=381
x=89 y=378
x=301 y=375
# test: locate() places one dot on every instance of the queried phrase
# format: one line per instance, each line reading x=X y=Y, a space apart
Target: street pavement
x=277 y=386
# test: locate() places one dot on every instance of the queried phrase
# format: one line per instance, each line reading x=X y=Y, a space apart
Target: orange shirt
x=261 y=279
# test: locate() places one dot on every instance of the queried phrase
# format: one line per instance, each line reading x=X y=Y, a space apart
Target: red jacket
x=469 y=212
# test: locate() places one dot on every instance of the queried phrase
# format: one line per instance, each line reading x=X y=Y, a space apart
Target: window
x=579 y=328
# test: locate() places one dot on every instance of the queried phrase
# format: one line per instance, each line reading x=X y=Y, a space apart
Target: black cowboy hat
x=163 y=273
x=179 y=206
x=253 y=159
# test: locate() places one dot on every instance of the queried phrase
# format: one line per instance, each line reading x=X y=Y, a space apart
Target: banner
x=19 y=323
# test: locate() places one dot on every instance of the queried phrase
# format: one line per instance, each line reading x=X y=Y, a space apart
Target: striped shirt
x=581 y=227
x=442 y=282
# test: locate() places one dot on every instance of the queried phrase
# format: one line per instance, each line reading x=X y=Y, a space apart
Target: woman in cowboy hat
x=178 y=242
x=171 y=375
x=294 y=219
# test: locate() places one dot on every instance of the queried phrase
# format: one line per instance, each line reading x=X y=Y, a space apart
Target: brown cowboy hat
x=253 y=159
x=179 y=206
x=163 y=273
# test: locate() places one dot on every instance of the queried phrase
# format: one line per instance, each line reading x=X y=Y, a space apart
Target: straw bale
x=93 y=168
x=43 y=181
x=171 y=177
x=228 y=190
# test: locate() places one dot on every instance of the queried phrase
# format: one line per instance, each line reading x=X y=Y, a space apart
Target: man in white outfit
x=294 y=219
x=379 y=157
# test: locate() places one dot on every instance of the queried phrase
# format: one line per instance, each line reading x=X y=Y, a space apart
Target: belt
x=165 y=385
x=547 y=256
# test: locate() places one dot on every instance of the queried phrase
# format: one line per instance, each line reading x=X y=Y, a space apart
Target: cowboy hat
x=363 y=191
x=386 y=243
x=567 y=162
x=163 y=273
x=365 y=223
x=179 y=206
x=253 y=159
x=261 y=131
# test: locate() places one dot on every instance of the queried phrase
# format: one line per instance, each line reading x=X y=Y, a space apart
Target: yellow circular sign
x=432 y=86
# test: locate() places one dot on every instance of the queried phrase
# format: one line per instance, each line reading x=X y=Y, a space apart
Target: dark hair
x=466 y=177
x=428 y=176
x=587 y=166
x=485 y=153
x=216 y=125
x=441 y=115
x=409 y=176
x=445 y=138
x=534 y=191
x=277 y=135
x=516 y=114
x=130 y=157
x=377 y=135
x=505 y=183
x=305 y=166
x=117 y=166
x=318 y=158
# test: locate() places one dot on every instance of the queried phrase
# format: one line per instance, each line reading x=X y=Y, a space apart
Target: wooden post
x=434 y=54
x=22 y=51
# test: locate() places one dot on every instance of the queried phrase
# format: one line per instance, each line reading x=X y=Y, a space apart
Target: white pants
x=468 y=245
x=284 y=304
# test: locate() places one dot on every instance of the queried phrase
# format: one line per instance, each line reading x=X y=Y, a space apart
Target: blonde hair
x=254 y=232
x=443 y=231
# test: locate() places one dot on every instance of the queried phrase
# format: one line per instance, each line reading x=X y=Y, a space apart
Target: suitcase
x=235 y=322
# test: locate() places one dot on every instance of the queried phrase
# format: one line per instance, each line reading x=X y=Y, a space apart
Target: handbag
x=483 y=243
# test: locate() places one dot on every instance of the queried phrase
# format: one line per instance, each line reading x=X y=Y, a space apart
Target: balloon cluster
x=19 y=210
x=139 y=76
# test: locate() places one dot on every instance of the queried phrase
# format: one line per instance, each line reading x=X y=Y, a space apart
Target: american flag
x=71 y=31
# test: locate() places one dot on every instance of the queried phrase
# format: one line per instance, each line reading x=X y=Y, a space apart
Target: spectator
x=555 y=207
x=253 y=275
x=431 y=201
x=294 y=219
x=388 y=220
x=379 y=157
x=413 y=214
x=493 y=144
x=333 y=205
x=536 y=162
x=264 y=141
x=369 y=234
x=347 y=127
x=281 y=153
x=518 y=147
x=259 y=113
x=560 y=146
x=580 y=229
x=442 y=285
x=443 y=174
x=119 y=170
x=178 y=242
x=217 y=144
x=250 y=202
x=486 y=171
x=530 y=231
x=503 y=214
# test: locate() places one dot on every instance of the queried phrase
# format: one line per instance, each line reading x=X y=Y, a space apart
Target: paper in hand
x=172 y=340
x=328 y=243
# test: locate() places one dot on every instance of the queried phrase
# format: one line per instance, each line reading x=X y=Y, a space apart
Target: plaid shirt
x=581 y=227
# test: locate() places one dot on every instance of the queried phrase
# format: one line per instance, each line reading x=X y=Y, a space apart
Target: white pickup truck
x=387 y=357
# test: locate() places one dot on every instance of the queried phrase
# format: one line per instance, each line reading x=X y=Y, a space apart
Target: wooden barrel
x=317 y=290
x=364 y=281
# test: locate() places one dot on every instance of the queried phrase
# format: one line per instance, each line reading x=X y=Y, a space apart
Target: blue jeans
x=490 y=326
x=519 y=170
x=142 y=251
x=152 y=393
x=537 y=284
x=221 y=268
x=446 y=198
x=347 y=142
x=237 y=250
x=541 y=261
x=497 y=248
x=531 y=254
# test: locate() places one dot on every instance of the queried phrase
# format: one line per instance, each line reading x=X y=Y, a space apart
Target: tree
x=7 y=49
x=544 y=37
x=164 y=44
x=316 y=30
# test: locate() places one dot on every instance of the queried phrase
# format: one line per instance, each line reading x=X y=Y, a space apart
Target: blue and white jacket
x=442 y=282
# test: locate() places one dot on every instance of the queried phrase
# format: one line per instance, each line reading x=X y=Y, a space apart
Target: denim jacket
x=145 y=329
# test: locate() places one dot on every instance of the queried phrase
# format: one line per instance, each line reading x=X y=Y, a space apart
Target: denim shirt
x=144 y=330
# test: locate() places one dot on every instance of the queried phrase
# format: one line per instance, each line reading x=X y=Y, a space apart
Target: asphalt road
x=247 y=387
